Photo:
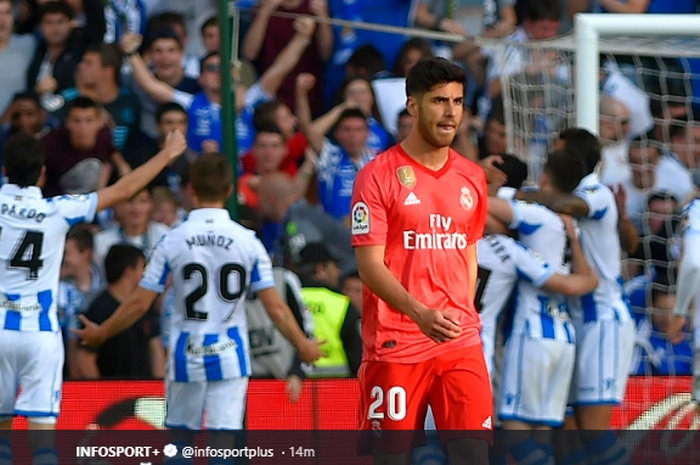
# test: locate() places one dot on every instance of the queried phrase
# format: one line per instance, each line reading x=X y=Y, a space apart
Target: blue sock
x=577 y=457
x=531 y=453
x=607 y=450
x=5 y=452
x=431 y=453
x=45 y=456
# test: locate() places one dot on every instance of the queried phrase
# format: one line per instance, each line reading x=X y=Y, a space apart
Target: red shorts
x=395 y=396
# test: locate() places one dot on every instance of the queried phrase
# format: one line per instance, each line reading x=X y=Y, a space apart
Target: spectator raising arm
x=326 y=38
x=254 y=38
x=315 y=132
x=272 y=79
x=157 y=89
x=130 y=184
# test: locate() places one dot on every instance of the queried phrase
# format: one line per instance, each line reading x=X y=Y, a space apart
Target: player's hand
x=305 y=82
x=675 y=329
x=439 y=325
x=621 y=199
x=311 y=351
x=294 y=384
x=90 y=335
x=210 y=146
x=493 y=175
x=130 y=42
x=175 y=144
x=569 y=226
x=305 y=26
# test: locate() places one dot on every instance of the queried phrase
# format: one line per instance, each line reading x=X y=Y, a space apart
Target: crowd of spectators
x=101 y=83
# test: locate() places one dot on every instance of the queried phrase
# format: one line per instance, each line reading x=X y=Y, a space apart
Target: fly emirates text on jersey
x=439 y=237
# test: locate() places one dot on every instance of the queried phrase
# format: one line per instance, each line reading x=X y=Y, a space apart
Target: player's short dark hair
x=206 y=58
x=430 y=72
x=542 y=10
x=23 y=159
x=110 y=55
x=27 y=95
x=56 y=7
x=162 y=34
x=166 y=20
x=269 y=128
x=83 y=103
x=515 y=169
x=82 y=236
x=211 y=177
x=415 y=43
x=565 y=170
x=350 y=113
x=212 y=21
x=584 y=144
x=167 y=108
x=662 y=195
x=119 y=258
x=265 y=113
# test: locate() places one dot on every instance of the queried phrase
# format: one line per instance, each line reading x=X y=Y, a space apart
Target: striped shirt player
x=540 y=353
x=604 y=327
x=213 y=262
x=32 y=241
x=688 y=286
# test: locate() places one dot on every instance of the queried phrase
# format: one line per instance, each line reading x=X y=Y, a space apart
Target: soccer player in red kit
x=418 y=210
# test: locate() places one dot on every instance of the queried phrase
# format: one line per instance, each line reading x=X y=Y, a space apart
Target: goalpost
x=588 y=29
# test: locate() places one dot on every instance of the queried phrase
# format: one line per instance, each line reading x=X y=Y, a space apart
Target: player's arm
x=629 y=238
x=84 y=364
x=130 y=184
x=560 y=203
x=501 y=210
x=583 y=280
x=282 y=317
x=473 y=265
x=438 y=325
x=129 y=312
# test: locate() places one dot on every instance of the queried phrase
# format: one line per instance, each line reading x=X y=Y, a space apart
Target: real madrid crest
x=407 y=176
x=466 y=200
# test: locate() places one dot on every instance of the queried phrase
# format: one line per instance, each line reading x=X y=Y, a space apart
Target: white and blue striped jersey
x=601 y=247
x=502 y=262
x=539 y=313
x=32 y=241
x=213 y=262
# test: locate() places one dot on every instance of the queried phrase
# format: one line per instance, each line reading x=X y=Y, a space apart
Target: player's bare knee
x=42 y=423
x=467 y=451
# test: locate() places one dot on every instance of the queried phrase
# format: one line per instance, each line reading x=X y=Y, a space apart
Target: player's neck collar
x=14 y=189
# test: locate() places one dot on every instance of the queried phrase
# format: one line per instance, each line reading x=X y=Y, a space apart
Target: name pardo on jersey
x=22 y=213
x=440 y=237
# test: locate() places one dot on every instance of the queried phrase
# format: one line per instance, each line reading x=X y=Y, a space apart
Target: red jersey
x=426 y=220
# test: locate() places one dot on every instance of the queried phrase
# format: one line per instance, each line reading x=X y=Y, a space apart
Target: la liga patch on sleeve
x=360 y=218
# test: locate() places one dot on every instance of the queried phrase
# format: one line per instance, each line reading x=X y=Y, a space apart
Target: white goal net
x=650 y=147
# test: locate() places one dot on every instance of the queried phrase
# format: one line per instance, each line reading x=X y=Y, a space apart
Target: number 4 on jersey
x=27 y=253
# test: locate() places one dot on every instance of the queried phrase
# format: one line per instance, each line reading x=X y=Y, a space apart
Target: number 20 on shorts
x=395 y=403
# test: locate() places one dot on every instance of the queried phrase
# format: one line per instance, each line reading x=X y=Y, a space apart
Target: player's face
x=210 y=78
x=643 y=162
x=73 y=260
x=211 y=39
x=286 y=121
x=167 y=58
x=543 y=29
x=172 y=121
x=89 y=69
x=136 y=273
x=352 y=134
x=56 y=28
x=84 y=124
x=28 y=118
x=165 y=212
x=139 y=209
x=405 y=126
x=495 y=137
x=359 y=92
x=269 y=149
x=439 y=113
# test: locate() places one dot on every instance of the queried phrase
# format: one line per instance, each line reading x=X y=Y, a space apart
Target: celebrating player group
x=445 y=255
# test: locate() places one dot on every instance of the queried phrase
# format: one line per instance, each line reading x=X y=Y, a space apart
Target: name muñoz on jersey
x=32 y=241
x=213 y=262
